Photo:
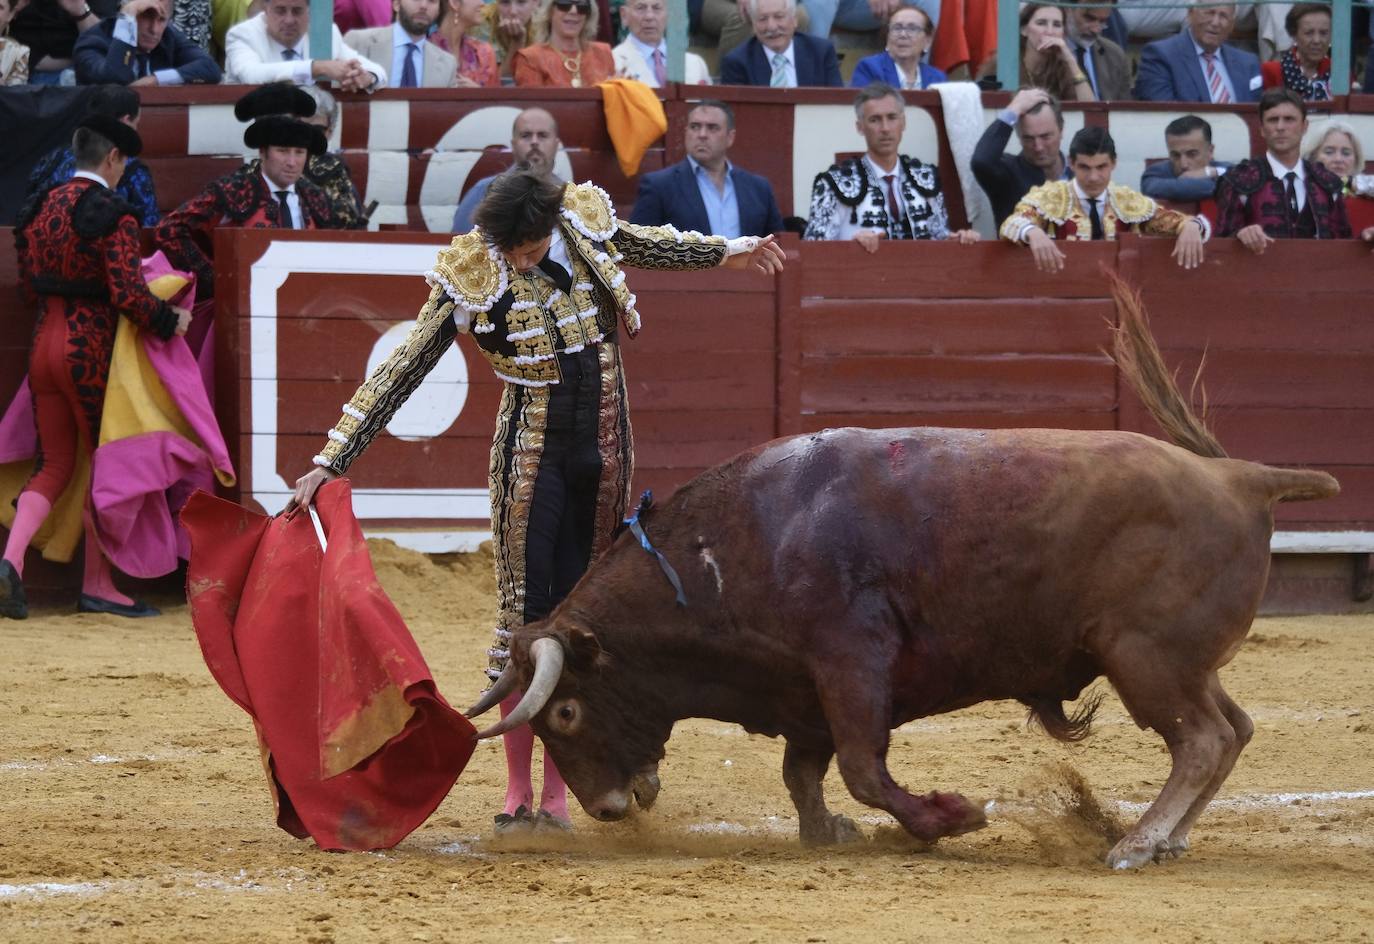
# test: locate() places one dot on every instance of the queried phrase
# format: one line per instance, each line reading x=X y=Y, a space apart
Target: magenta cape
x=358 y=744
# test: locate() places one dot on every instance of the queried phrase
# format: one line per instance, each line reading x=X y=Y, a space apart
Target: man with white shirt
x=644 y=53
x=415 y=63
x=139 y=47
x=1281 y=195
x=778 y=56
x=884 y=194
x=274 y=46
x=1091 y=207
x=1197 y=65
x=276 y=198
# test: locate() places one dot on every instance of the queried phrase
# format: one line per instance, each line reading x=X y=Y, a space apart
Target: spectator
x=533 y=143
x=506 y=25
x=861 y=15
x=909 y=34
x=414 y=62
x=139 y=47
x=274 y=46
x=1091 y=207
x=192 y=20
x=1338 y=149
x=884 y=194
x=1280 y=195
x=1039 y=124
x=350 y=15
x=136 y=183
x=50 y=29
x=477 y=63
x=565 y=53
x=1197 y=65
x=727 y=21
x=706 y=193
x=278 y=197
x=14 y=55
x=778 y=56
x=644 y=53
x=1190 y=174
x=1099 y=58
x=315 y=106
x=1046 y=60
x=1305 y=67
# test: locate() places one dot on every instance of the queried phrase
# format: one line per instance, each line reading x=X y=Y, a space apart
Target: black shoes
x=523 y=821
x=136 y=610
x=13 y=603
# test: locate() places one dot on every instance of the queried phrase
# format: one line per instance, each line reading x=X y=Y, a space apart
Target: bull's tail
x=1049 y=714
x=1137 y=355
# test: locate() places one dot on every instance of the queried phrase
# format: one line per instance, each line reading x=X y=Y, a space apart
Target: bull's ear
x=584 y=647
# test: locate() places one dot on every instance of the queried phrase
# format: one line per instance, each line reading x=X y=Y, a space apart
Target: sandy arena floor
x=134 y=809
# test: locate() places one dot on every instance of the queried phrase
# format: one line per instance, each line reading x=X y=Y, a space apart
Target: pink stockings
x=519 y=744
x=98 y=577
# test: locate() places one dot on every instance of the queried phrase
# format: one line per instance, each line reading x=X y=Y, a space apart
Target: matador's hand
x=307 y=485
x=766 y=257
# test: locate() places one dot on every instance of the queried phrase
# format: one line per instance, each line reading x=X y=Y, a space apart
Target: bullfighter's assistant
x=539 y=287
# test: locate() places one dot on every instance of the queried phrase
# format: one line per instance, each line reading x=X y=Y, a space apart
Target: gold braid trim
x=1130 y=206
x=382 y=394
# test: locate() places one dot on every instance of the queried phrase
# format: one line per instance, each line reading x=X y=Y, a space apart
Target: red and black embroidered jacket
x=1249 y=193
x=79 y=256
x=238 y=200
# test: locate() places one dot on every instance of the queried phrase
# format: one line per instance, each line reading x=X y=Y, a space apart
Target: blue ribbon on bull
x=645 y=502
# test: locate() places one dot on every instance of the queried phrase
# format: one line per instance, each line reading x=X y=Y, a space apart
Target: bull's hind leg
x=1198 y=736
x=1244 y=729
x=803 y=770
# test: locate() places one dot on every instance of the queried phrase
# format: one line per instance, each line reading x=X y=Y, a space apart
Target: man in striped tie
x=1197 y=65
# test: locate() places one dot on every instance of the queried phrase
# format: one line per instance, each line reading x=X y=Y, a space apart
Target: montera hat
x=116 y=132
x=274 y=98
x=281 y=131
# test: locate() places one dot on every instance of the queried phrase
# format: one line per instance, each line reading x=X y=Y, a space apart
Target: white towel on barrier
x=963 y=107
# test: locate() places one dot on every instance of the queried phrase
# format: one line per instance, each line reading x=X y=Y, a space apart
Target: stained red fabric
x=358 y=744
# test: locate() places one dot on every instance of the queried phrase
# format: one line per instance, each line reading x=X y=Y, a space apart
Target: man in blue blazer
x=707 y=193
x=139 y=47
x=1197 y=65
x=779 y=56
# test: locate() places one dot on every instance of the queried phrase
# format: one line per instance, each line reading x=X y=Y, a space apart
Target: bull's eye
x=564 y=716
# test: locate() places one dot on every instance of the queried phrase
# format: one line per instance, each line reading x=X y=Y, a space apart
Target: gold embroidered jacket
x=520 y=322
x=1054 y=208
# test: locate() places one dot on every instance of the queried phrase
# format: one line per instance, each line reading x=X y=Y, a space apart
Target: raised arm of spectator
x=988 y=169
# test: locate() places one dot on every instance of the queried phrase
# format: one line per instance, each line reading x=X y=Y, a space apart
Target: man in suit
x=139 y=47
x=415 y=63
x=1190 y=174
x=644 y=53
x=274 y=46
x=1197 y=65
x=1102 y=61
x=1039 y=123
x=778 y=56
x=533 y=143
x=706 y=193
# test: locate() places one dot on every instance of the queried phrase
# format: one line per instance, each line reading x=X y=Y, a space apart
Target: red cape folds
x=358 y=744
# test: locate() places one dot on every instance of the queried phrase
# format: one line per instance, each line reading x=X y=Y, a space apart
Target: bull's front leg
x=803 y=770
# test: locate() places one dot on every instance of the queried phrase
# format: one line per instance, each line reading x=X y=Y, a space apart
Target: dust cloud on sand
x=133 y=808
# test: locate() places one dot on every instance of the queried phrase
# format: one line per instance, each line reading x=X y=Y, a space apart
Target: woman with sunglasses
x=909 y=35
x=564 y=53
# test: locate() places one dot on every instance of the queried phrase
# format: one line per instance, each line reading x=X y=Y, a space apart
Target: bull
x=842 y=583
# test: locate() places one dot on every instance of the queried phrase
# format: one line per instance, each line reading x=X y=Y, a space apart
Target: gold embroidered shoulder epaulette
x=589 y=210
x=471 y=272
x=1132 y=206
x=1053 y=200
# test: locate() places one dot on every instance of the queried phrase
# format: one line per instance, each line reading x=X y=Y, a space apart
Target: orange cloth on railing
x=634 y=119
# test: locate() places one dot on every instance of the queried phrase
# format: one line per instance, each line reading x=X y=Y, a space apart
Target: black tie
x=1095 y=219
x=1290 y=189
x=560 y=275
x=143 y=68
x=284 y=219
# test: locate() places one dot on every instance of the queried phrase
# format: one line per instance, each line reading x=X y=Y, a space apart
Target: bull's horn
x=548 y=669
x=502 y=687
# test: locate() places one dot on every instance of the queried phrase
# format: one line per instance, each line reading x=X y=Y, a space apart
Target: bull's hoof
x=1178 y=845
x=830 y=831
x=954 y=815
x=1133 y=852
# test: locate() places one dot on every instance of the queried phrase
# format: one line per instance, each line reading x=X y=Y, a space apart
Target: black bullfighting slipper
x=13 y=603
x=518 y=822
x=136 y=610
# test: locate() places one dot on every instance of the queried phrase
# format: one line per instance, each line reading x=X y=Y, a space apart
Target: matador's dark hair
x=521 y=206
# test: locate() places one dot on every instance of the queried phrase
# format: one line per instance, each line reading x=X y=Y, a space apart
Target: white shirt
x=1300 y=185
x=399 y=39
x=647 y=52
x=293 y=201
x=790 y=54
x=92 y=175
x=300 y=65
x=1216 y=61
